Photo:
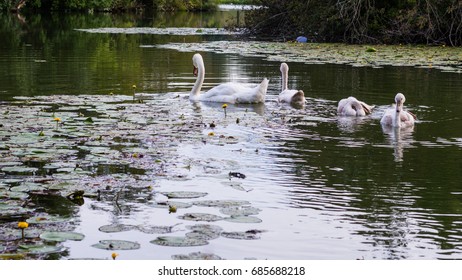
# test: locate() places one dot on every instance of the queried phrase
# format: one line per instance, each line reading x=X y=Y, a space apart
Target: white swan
x=353 y=107
x=228 y=92
x=396 y=116
x=291 y=96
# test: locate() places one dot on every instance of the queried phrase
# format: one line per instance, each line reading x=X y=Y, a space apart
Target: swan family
x=234 y=93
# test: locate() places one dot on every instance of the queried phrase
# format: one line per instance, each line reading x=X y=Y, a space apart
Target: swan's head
x=399 y=99
x=197 y=62
x=284 y=67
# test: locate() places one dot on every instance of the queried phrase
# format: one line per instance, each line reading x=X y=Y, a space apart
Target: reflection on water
x=400 y=139
x=328 y=187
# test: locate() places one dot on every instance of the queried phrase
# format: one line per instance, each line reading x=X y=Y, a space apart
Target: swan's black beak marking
x=195 y=71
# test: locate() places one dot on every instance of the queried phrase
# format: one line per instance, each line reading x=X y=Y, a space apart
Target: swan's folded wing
x=227 y=89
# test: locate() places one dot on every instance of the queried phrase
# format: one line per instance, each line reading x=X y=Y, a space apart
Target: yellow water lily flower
x=211 y=134
x=23 y=225
x=114 y=255
x=224 y=106
x=57 y=120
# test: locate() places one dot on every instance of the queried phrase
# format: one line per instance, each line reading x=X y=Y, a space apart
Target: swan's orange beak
x=195 y=71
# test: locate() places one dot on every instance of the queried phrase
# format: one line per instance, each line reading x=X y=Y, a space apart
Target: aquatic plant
x=23 y=226
x=57 y=120
x=224 y=106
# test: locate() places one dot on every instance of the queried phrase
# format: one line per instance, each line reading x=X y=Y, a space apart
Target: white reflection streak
x=400 y=138
x=349 y=124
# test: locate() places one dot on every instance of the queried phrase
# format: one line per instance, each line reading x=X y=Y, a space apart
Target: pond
x=102 y=152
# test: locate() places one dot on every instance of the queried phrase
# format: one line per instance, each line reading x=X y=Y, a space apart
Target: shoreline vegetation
x=113 y=6
x=392 y=22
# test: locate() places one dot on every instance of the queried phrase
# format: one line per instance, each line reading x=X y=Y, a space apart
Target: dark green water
x=327 y=187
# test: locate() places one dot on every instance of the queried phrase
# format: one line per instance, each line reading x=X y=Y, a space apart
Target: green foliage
x=184 y=5
x=360 y=21
x=111 y=5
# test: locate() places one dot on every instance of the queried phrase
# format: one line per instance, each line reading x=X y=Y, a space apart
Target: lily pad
x=17 y=195
x=204 y=231
x=115 y=228
x=243 y=219
x=240 y=211
x=117 y=245
x=197 y=256
x=178 y=241
x=60 y=236
x=167 y=204
x=247 y=235
x=156 y=229
x=221 y=203
x=19 y=170
x=183 y=194
x=203 y=217
x=45 y=219
x=38 y=249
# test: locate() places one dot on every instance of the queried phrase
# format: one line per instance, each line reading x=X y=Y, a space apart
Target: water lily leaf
x=27 y=188
x=243 y=219
x=117 y=245
x=17 y=195
x=19 y=170
x=45 y=219
x=247 y=235
x=115 y=228
x=11 y=211
x=204 y=234
x=156 y=229
x=10 y=163
x=60 y=236
x=203 y=217
x=167 y=204
x=183 y=194
x=220 y=203
x=178 y=241
x=39 y=249
x=197 y=256
x=240 y=211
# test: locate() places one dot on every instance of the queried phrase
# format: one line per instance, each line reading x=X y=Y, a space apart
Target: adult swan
x=228 y=92
x=396 y=116
x=292 y=96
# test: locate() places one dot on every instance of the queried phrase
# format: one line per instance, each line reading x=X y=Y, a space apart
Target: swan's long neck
x=195 y=92
x=285 y=78
x=397 y=118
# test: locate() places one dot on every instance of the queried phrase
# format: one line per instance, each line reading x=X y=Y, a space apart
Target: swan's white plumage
x=291 y=96
x=353 y=107
x=396 y=116
x=228 y=92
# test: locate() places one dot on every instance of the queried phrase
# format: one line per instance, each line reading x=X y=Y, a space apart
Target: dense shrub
x=108 y=5
x=360 y=21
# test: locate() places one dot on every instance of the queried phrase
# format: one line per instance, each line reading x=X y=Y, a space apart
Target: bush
x=360 y=21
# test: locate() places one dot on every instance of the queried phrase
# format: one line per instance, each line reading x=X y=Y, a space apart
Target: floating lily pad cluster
x=178 y=31
x=59 y=151
x=447 y=59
